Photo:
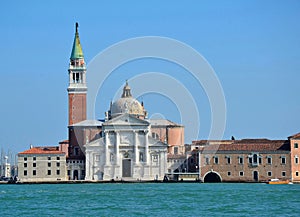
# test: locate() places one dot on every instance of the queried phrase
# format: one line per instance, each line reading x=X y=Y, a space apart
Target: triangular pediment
x=126 y=120
x=88 y=123
x=96 y=143
x=156 y=143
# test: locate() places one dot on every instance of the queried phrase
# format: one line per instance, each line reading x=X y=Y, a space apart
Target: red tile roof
x=43 y=150
x=64 y=142
x=295 y=136
x=249 y=145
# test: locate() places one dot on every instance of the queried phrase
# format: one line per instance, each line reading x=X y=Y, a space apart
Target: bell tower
x=77 y=83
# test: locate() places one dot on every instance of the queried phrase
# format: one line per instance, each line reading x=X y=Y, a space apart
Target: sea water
x=150 y=199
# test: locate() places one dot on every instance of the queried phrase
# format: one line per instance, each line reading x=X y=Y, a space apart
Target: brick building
x=246 y=160
x=295 y=154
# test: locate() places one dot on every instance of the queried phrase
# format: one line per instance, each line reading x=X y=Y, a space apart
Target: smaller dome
x=126 y=91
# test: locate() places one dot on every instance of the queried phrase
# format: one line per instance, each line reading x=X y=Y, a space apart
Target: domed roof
x=127 y=104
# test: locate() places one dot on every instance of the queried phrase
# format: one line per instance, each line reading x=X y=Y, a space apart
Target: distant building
x=5 y=167
x=246 y=160
x=42 y=164
x=295 y=154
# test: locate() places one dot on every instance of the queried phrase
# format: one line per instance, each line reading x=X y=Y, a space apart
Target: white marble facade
x=126 y=151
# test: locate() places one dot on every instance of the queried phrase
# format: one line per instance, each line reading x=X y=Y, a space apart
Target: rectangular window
x=296 y=145
x=207 y=160
x=49 y=164
x=255 y=159
x=175 y=150
x=57 y=172
x=34 y=158
x=269 y=160
x=25 y=172
x=260 y=160
x=241 y=160
x=228 y=160
x=34 y=172
x=250 y=160
x=297 y=173
x=34 y=165
x=283 y=173
x=25 y=165
x=57 y=158
x=153 y=135
x=49 y=172
x=228 y=173
x=241 y=173
x=58 y=164
x=283 y=160
x=216 y=159
x=76 y=151
x=269 y=173
x=49 y=158
x=25 y=158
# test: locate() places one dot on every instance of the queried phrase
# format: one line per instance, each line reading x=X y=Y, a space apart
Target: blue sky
x=253 y=46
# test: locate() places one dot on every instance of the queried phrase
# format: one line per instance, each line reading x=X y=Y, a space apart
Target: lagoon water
x=150 y=199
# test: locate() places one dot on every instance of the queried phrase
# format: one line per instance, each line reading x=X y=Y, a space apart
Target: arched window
x=255 y=159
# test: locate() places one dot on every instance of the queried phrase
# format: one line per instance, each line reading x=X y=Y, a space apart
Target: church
x=122 y=146
x=126 y=150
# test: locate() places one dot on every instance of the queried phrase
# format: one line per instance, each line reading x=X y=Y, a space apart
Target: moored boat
x=278 y=182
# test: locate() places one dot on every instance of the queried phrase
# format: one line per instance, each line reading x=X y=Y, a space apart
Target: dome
x=127 y=104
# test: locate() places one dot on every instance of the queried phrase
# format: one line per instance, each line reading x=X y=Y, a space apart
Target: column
x=107 y=157
x=146 y=147
x=117 y=147
x=71 y=77
x=83 y=78
x=87 y=165
x=136 y=150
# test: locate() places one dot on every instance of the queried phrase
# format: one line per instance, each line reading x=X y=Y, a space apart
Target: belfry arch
x=212 y=177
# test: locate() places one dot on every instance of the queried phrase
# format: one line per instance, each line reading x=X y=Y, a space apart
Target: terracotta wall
x=295 y=152
x=77 y=108
x=223 y=167
x=174 y=136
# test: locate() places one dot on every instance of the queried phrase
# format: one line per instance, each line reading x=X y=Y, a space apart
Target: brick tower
x=77 y=83
x=77 y=91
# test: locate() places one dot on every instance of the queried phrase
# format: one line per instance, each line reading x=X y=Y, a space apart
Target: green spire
x=76 y=50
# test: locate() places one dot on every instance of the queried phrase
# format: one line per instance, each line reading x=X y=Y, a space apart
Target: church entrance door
x=75 y=175
x=126 y=170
